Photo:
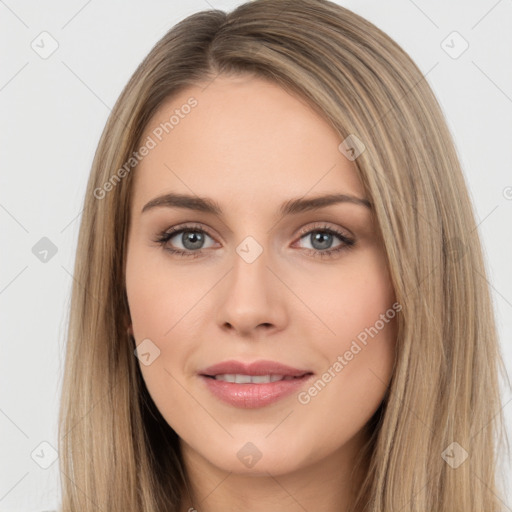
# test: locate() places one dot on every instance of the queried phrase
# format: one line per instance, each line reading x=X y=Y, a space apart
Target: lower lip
x=252 y=396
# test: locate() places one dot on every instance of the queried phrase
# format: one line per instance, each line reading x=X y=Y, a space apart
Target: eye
x=321 y=239
x=192 y=238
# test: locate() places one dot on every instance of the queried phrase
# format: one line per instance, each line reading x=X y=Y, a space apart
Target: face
x=299 y=297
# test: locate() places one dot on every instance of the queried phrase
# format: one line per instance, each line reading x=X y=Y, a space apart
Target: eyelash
x=163 y=237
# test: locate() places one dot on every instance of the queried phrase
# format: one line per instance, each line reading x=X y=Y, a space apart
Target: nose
x=251 y=298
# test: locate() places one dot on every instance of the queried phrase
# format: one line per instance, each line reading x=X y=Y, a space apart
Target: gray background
x=53 y=110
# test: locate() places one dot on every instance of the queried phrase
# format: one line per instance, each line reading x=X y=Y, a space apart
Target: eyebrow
x=290 y=207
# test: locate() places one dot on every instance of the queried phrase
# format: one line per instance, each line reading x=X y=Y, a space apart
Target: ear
x=129 y=330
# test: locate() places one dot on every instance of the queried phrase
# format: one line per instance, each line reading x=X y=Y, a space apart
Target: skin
x=250 y=146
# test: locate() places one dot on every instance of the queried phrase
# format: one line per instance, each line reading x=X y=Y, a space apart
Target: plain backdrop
x=53 y=109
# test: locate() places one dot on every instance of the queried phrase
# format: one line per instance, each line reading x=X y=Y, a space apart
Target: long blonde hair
x=117 y=453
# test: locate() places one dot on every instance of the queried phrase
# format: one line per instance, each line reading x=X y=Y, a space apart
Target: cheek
x=351 y=298
x=159 y=303
x=167 y=307
x=360 y=314
x=361 y=305
x=158 y=298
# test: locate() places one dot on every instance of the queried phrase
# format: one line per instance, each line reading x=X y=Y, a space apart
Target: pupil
x=323 y=240
x=192 y=240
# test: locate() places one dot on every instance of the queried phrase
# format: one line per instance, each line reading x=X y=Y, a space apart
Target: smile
x=253 y=385
x=239 y=378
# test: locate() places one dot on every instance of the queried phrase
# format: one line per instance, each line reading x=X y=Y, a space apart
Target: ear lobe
x=130 y=330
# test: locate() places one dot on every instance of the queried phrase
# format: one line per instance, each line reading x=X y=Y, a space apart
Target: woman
x=215 y=362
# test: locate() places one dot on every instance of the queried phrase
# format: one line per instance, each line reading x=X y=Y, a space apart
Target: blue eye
x=324 y=236
x=193 y=238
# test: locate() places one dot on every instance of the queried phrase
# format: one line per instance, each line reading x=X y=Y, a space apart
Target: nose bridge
x=250 y=296
x=250 y=264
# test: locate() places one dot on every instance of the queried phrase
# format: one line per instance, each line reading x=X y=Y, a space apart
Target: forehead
x=242 y=137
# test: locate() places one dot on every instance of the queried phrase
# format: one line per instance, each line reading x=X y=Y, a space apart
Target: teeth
x=251 y=379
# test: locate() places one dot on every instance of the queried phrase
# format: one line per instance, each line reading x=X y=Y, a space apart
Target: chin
x=257 y=459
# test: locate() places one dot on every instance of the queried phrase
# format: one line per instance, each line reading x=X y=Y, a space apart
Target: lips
x=241 y=378
x=252 y=385
x=256 y=368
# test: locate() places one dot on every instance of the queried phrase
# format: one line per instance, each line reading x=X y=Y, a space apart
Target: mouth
x=253 y=385
x=241 y=378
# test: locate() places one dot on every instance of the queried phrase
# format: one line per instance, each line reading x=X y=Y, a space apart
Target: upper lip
x=254 y=368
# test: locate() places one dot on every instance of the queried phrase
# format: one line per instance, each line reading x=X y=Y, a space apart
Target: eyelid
x=347 y=242
x=319 y=225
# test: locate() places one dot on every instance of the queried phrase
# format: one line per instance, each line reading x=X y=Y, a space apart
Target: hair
x=117 y=452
